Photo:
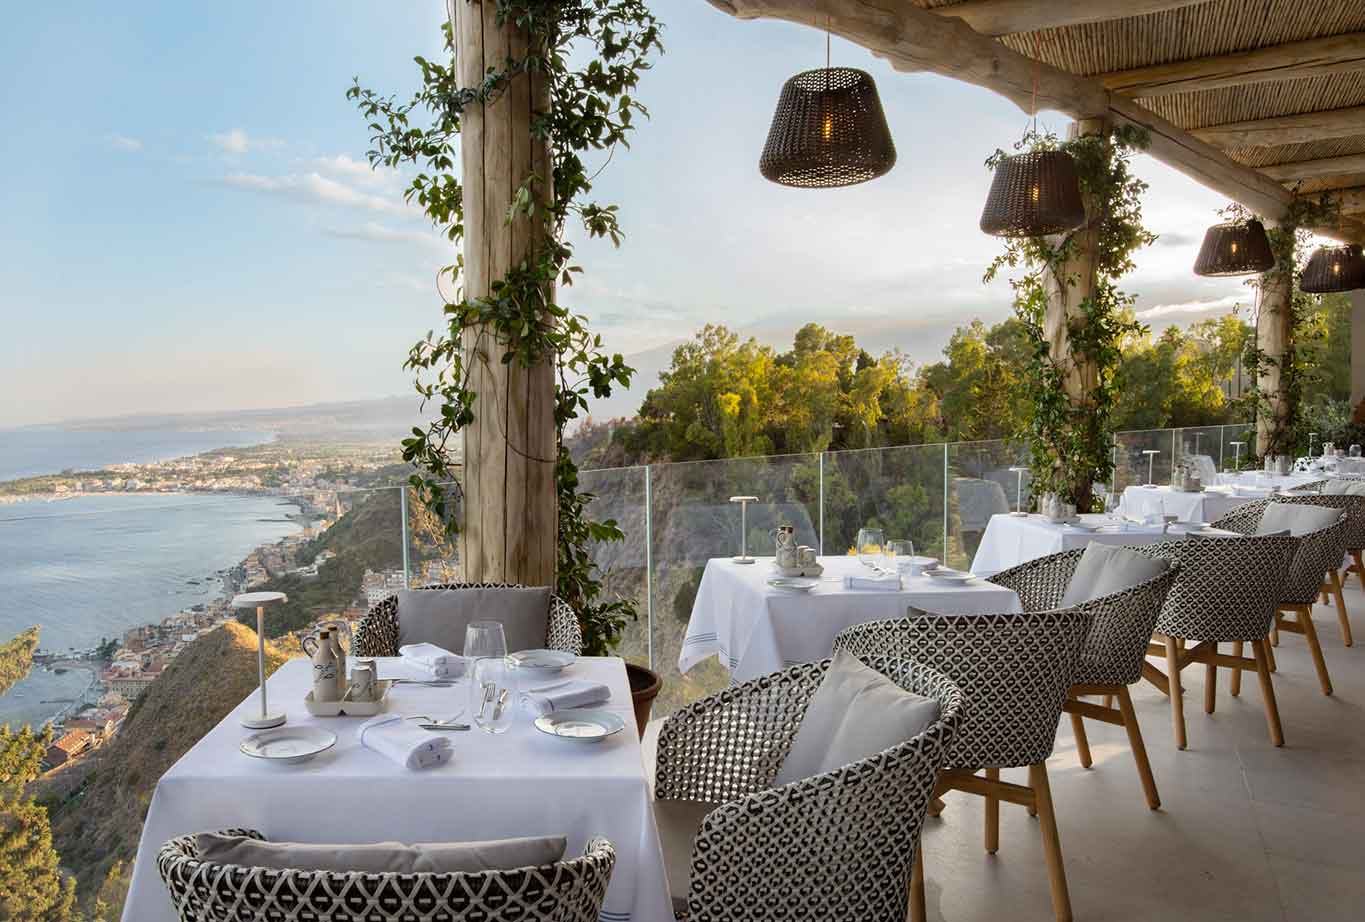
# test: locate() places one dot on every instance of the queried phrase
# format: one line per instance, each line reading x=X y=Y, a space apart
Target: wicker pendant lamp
x=1235 y=248
x=1033 y=195
x=1332 y=269
x=829 y=130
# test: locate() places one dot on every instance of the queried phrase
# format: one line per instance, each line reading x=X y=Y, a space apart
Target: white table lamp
x=1019 y=491
x=1237 y=455
x=258 y=601
x=1151 y=454
x=744 y=502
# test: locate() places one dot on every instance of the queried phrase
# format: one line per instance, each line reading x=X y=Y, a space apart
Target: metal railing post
x=821 y=535
x=403 y=516
x=649 y=564
x=945 y=501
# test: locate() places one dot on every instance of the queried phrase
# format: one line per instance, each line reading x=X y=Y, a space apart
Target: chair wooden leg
x=1082 y=741
x=1310 y=634
x=1334 y=585
x=1177 y=692
x=1358 y=566
x=1052 y=843
x=1211 y=684
x=936 y=806
x=917 y=885
x=1272 y=710
x=1270 y=657
x=1108 y=701
x=1275 y=632
x=1235 y=683
x=992 y=815
x=1135 y=743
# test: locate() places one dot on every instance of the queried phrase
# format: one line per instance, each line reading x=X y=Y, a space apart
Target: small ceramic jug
x=784 y=538
x=334 y=631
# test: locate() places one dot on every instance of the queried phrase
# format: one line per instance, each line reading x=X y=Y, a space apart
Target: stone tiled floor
x=1246 y=831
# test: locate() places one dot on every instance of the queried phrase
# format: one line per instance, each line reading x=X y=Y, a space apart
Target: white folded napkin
x=575 y=693
x=438 y=661
x=887 y=582
x=404 y=742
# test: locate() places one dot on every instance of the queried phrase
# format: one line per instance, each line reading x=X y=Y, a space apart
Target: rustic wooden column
x=1274 y=330
x=1070 y=284
x=510 y=513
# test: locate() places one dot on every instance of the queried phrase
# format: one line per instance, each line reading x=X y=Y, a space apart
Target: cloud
x=1188 y=311
x=125 y=143
x=237 y=141
x=372 y=230
x=316 y=188
x=355 y=170
x=1176 y=239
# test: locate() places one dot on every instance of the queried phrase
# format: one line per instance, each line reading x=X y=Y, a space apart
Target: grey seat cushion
x=1107 y=568
x=679 y=821
x=856 y=712
x=382 y=857
x=1298 y=518
x=440 y=616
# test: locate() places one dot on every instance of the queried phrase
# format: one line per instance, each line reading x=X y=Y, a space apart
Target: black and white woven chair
x=1227 y=591
x=1014 y=671
x=1354 y=507
x=571 y=890
x=377 y=632
x=839 y=845
x=1318 y=552
x=1114 y=651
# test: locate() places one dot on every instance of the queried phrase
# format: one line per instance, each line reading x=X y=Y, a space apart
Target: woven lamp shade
x=1033 y=195
x=1334 y=269
x=1234 y=249
x=829 y=130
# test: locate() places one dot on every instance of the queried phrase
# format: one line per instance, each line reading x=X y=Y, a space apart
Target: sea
x=89 y=567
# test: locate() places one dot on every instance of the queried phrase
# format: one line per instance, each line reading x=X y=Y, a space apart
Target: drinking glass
x=870 y=541
x=898 y=554
x=1111 y=506
x=492 y=686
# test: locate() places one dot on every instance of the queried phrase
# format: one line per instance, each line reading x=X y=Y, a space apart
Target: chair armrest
x=1041 y=583
x=732 y=743
x=1244 y=519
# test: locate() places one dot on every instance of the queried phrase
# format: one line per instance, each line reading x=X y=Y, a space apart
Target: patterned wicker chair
x=839 y=845
x=377 y=632
x=1227 y=592
x=1014 y=671
x=1354 y=507
x=568 y=891
x=1114 y=651
x=1318 y=553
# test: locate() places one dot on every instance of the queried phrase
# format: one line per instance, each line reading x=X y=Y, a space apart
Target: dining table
x=1014 y=539
x=523 y=782
x=1265 y=481
x=755 y=628
x=1207 y=505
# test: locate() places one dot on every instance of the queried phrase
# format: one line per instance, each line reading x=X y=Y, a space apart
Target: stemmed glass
x=898 y=554
x=492 y=697
x=870 y=541
x=1111 y=506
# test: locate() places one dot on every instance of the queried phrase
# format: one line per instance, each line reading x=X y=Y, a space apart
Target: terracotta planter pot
x=644 y=688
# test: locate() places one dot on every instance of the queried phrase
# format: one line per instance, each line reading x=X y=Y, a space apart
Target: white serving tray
x=347 y=707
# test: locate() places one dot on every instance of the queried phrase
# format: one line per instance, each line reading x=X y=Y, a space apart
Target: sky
x=191 y=223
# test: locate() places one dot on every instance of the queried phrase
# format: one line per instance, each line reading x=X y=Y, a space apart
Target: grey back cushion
x=440 y=616
x=855 y=713
x=1345 y=487
x=382 y=857
x=1107 y=568
x=1299 y=518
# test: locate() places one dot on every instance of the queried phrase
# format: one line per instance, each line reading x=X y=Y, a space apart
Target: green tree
x=16 y=658
x=32 y=887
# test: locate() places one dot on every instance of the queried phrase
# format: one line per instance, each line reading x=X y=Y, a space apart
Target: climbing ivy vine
x=1069 y=438
x=591 y=55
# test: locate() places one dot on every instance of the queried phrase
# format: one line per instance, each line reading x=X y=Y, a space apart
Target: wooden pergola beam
x=1008 y=17
x=1286 y=129
x=913 y=39
x=1352 y=201
x=1313 y=58
x=1316 y=169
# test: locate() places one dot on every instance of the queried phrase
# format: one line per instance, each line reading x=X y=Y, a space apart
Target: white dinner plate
x=1187 y=527
x=583 y=725
x=793 y=583
x=287 y=745
x=922 y=563
x=542 y=662
x=949 y=575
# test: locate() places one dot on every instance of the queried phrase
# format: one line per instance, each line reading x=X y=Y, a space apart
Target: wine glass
x=492 y=698
x=898 y=554
x=870 y=541
x=1111 y=506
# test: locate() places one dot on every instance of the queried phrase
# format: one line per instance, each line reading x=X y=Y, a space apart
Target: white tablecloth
x=755 y=629
x=1208 y=506
x=1262 y=480
x=1010 y=540
x=521 y=783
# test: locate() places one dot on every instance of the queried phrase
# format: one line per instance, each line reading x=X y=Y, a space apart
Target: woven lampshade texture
x=829 y=130
x=1034 y=194
x=1235 y=248
x=1334 y=269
